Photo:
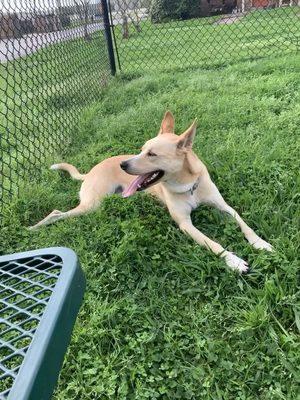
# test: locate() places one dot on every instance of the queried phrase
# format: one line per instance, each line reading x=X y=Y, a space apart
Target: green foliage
x=166 y=10
x=163 y=318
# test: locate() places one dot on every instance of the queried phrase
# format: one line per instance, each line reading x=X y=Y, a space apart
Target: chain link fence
x=169 y=34
x=56 y=55
x=53 y=62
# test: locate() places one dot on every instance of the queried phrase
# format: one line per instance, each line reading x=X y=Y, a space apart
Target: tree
x=82 y=8
x=129 y=10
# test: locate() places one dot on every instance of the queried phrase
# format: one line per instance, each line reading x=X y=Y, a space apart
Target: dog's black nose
x=124 y=165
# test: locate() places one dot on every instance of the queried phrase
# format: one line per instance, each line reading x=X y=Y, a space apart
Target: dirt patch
x=229 y=19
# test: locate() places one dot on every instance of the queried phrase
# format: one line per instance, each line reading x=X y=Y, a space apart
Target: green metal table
x=40 y=295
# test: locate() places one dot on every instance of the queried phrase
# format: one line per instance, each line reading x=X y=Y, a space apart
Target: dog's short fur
x=167 y=168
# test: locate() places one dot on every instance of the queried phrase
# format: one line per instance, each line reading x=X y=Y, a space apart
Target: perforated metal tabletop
x=40 y=295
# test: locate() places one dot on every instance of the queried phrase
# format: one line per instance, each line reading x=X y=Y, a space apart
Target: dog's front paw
x=236 y=263
x=261 y=244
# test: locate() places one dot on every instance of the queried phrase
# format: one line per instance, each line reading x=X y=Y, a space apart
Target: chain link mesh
x=54 y=62
x=165 y=35
x=25 y=289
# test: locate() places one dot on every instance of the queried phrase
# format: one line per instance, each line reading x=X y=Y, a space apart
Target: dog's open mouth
x=142 y=182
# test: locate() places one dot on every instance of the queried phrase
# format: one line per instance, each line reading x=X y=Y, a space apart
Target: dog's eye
x=151 y=154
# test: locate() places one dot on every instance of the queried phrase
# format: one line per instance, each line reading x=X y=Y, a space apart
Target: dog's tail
x=73 y=171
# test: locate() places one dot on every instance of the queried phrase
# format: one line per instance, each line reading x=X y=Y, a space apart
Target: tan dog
x=168 y=169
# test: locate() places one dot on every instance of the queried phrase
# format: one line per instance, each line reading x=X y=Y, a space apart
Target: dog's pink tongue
x=132 y=188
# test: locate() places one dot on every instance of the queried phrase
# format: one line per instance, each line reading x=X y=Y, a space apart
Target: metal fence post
x=108 y=35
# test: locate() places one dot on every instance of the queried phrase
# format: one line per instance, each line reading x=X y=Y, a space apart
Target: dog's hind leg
x=102 y=180
x=215 y=199
x=57 y=215
x=91 y=193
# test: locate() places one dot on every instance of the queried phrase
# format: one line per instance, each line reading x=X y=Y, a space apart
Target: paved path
x=11 y=49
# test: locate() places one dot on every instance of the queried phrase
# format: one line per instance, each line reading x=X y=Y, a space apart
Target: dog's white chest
x=193 y=200
x=182 y=192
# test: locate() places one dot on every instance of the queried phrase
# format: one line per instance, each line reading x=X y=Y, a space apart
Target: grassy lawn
x=162 y=317
x=203 y=42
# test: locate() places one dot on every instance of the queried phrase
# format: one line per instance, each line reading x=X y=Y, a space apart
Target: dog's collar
x=183 y=189
x=195 y=186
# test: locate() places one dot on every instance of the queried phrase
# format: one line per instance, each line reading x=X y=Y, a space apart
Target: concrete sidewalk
x=11 y=49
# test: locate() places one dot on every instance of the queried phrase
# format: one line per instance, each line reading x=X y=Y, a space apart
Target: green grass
x=203 y=43
x=162 y=317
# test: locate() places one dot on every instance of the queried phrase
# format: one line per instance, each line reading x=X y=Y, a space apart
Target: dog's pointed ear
x=167 y=124
x=186 y=139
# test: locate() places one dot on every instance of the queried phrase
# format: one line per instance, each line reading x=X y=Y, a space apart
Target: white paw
x=236 y=263
x=261 y=244
x=31 y=228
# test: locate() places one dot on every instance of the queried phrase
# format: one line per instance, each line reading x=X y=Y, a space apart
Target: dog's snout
x=124 y=165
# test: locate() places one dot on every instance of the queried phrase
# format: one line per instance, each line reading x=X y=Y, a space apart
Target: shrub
x=65 y=21
x=165 y=10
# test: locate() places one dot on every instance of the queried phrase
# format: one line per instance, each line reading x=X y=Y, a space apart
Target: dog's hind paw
x=261 y=244
x=236 y=263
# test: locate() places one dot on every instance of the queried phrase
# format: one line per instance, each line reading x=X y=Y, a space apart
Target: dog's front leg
x=186 y=225
x=233 y=261
x=215 y=199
